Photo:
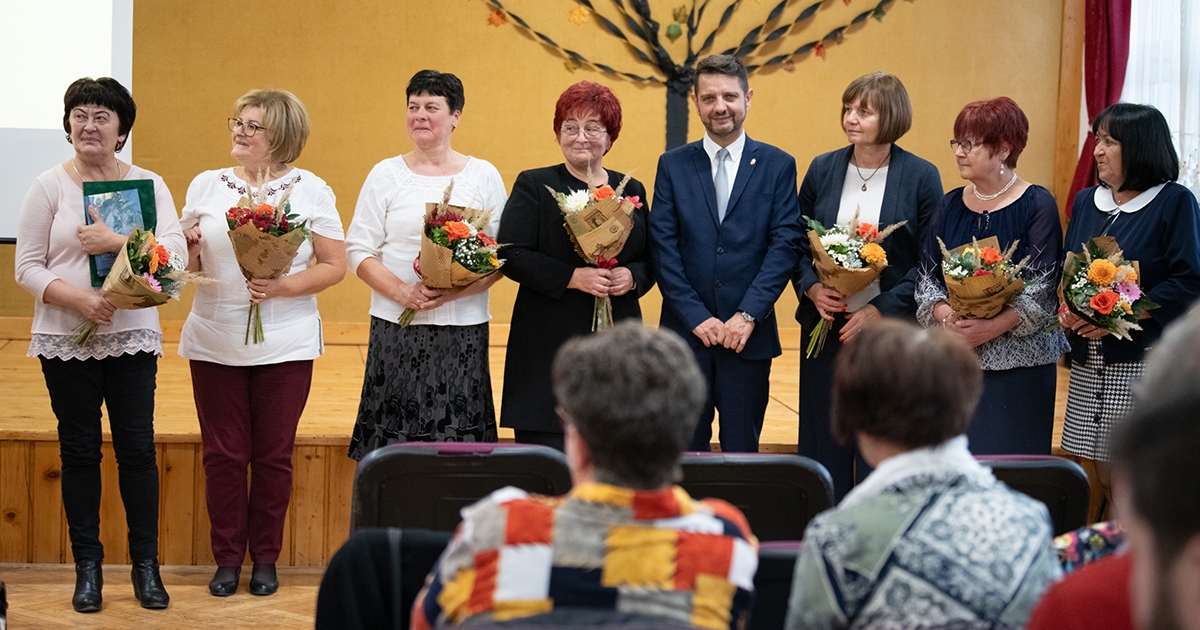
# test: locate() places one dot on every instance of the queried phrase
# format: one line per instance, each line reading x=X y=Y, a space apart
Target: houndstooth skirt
x=424 y=384
x=1099 y=395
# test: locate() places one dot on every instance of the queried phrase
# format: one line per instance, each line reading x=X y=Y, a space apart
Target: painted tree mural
x=640 y=32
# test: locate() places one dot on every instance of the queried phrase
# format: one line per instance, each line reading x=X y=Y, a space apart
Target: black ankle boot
x=225 y=581
x=89 y=579
x=263 y=581
x=148 y=586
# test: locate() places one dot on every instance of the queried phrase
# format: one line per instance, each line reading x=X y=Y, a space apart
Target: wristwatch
x=746 y=316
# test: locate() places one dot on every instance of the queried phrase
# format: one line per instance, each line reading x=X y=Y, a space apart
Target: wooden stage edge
x=33 y=526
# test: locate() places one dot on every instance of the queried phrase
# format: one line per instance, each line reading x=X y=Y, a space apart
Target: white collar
x=735 y=148
x=949 y=456
x=1105 y=203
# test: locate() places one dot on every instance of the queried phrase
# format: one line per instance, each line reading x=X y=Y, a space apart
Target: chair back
x=1059 y=483
x=425 y=485
x=778 y=493
x=773 y=584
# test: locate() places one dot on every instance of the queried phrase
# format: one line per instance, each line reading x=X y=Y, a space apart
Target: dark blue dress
x=1016 y=412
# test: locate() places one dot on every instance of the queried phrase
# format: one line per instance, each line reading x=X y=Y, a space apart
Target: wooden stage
x=32 y=524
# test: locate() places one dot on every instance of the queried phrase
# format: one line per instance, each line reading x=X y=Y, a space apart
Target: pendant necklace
x=868 y=178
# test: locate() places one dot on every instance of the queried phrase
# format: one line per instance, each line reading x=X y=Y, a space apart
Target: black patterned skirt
x=1099 y=395
x=425 y=384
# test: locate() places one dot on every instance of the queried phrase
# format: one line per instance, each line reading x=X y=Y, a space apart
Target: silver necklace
x=975 y=189
x=868 y=178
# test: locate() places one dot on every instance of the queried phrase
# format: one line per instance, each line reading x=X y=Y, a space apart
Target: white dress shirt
x=731 y=163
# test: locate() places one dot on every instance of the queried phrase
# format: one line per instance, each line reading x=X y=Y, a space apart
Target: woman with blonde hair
x=249 y=396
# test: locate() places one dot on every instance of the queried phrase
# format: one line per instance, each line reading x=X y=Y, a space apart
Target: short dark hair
x=1147 y=155
x=727 y=65
x=996 y=122
x=436 y=83
x=886 y=94
x=105 y=92
x=585 y=98
x=1154 y=448
x=634 y=394
x=905 y=385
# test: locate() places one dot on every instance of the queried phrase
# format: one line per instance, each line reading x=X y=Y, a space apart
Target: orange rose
x=163 y=255
x=456 y=230
x=603 y=192
x=1104 y=301
x=868 y=231
x=990 y=255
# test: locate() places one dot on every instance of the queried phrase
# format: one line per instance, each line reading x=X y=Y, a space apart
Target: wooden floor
x=39 y=596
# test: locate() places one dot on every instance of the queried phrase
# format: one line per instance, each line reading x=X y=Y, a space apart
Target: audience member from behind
x=930 y=538
x=625 y=544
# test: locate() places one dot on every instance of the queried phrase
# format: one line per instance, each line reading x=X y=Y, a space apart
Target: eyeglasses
x=249 y=128
x=966 y=145
x=590 y=131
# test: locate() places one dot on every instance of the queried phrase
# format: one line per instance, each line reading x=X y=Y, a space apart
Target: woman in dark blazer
x=884 y=184
x=558 y=288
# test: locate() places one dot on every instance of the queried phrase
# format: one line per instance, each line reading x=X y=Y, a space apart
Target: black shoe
x=225 y=581
x=263 y=580
x=89 y=579
x=148 y=586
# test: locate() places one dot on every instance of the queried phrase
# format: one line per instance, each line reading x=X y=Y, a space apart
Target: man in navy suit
x=724 y=235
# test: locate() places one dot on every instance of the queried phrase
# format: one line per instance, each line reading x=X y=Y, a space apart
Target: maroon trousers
x=248 y=417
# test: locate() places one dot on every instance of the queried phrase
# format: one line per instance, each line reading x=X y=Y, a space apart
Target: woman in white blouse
x=249 y=396
x=118 y=367
x=429 y=381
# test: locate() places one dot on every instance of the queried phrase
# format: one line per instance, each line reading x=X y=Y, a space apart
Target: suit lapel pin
x=752 y=161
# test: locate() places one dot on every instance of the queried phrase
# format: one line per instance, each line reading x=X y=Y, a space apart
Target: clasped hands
x=1071 y=321
x=731 y=333
x=602 y=282
x=829 y=301
x=976 y=332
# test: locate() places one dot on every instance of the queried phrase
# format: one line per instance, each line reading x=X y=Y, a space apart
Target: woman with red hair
x=1017 y=348
x=558 y=287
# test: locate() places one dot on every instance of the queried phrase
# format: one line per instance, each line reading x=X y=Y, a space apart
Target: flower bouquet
x=455 y=251
x=265 y=240
x=981 y=279
x=598 y=221
x=847 y=259
x=143 y=275
x=1101 y=287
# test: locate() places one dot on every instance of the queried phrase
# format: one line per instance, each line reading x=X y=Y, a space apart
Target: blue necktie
x=721 y=183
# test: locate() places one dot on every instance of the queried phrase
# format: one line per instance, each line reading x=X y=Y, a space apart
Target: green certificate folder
x=123 y=205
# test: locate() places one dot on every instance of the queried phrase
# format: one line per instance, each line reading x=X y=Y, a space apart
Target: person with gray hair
x=625 y=544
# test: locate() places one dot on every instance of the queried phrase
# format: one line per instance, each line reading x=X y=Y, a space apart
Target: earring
x=69 y=139
x=1002 y=168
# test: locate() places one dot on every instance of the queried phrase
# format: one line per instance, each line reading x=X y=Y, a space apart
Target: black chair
x=373 y=580
x=773 y=584
x=778 y=493
x=1059 y=483
x=425 y=485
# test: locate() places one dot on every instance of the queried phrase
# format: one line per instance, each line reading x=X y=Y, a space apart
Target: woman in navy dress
x=1156 y=223
x=883 y=184
x=1018 y=348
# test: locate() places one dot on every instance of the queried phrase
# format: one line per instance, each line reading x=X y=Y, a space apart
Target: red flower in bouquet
x=486 y=240
x=982 y=272
x=868 y=231
x=1104 y=301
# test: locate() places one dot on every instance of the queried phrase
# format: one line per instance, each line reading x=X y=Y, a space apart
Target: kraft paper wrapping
x=127 y=290
x=261 y=255
x=438 y=269
x=1108 y=247
x=833 y=276
x=981 y=297
x=601 y=229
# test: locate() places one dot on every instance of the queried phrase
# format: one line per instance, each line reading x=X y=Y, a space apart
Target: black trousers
x=125 y=385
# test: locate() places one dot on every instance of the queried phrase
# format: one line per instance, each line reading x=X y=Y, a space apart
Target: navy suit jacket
x=709 y=268
x=914 y=188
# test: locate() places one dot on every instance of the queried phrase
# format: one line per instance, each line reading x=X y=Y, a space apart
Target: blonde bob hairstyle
x=285 y=119
x=886 y=95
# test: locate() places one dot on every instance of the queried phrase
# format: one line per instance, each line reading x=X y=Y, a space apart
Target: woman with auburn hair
x=249 y=396
x=883 y=184
x=558 y=288
x=429 y=381
x=1155 y=221
x=1019 y=346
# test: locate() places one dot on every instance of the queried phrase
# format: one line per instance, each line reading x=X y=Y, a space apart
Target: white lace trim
x=102 y=346
x=1035 y=340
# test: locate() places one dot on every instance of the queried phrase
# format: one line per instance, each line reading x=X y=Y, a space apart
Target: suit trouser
x=248 y=417
x=739 y=390
x=125 y=385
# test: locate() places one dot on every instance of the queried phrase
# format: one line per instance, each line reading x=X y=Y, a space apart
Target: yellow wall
x=350 y=61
